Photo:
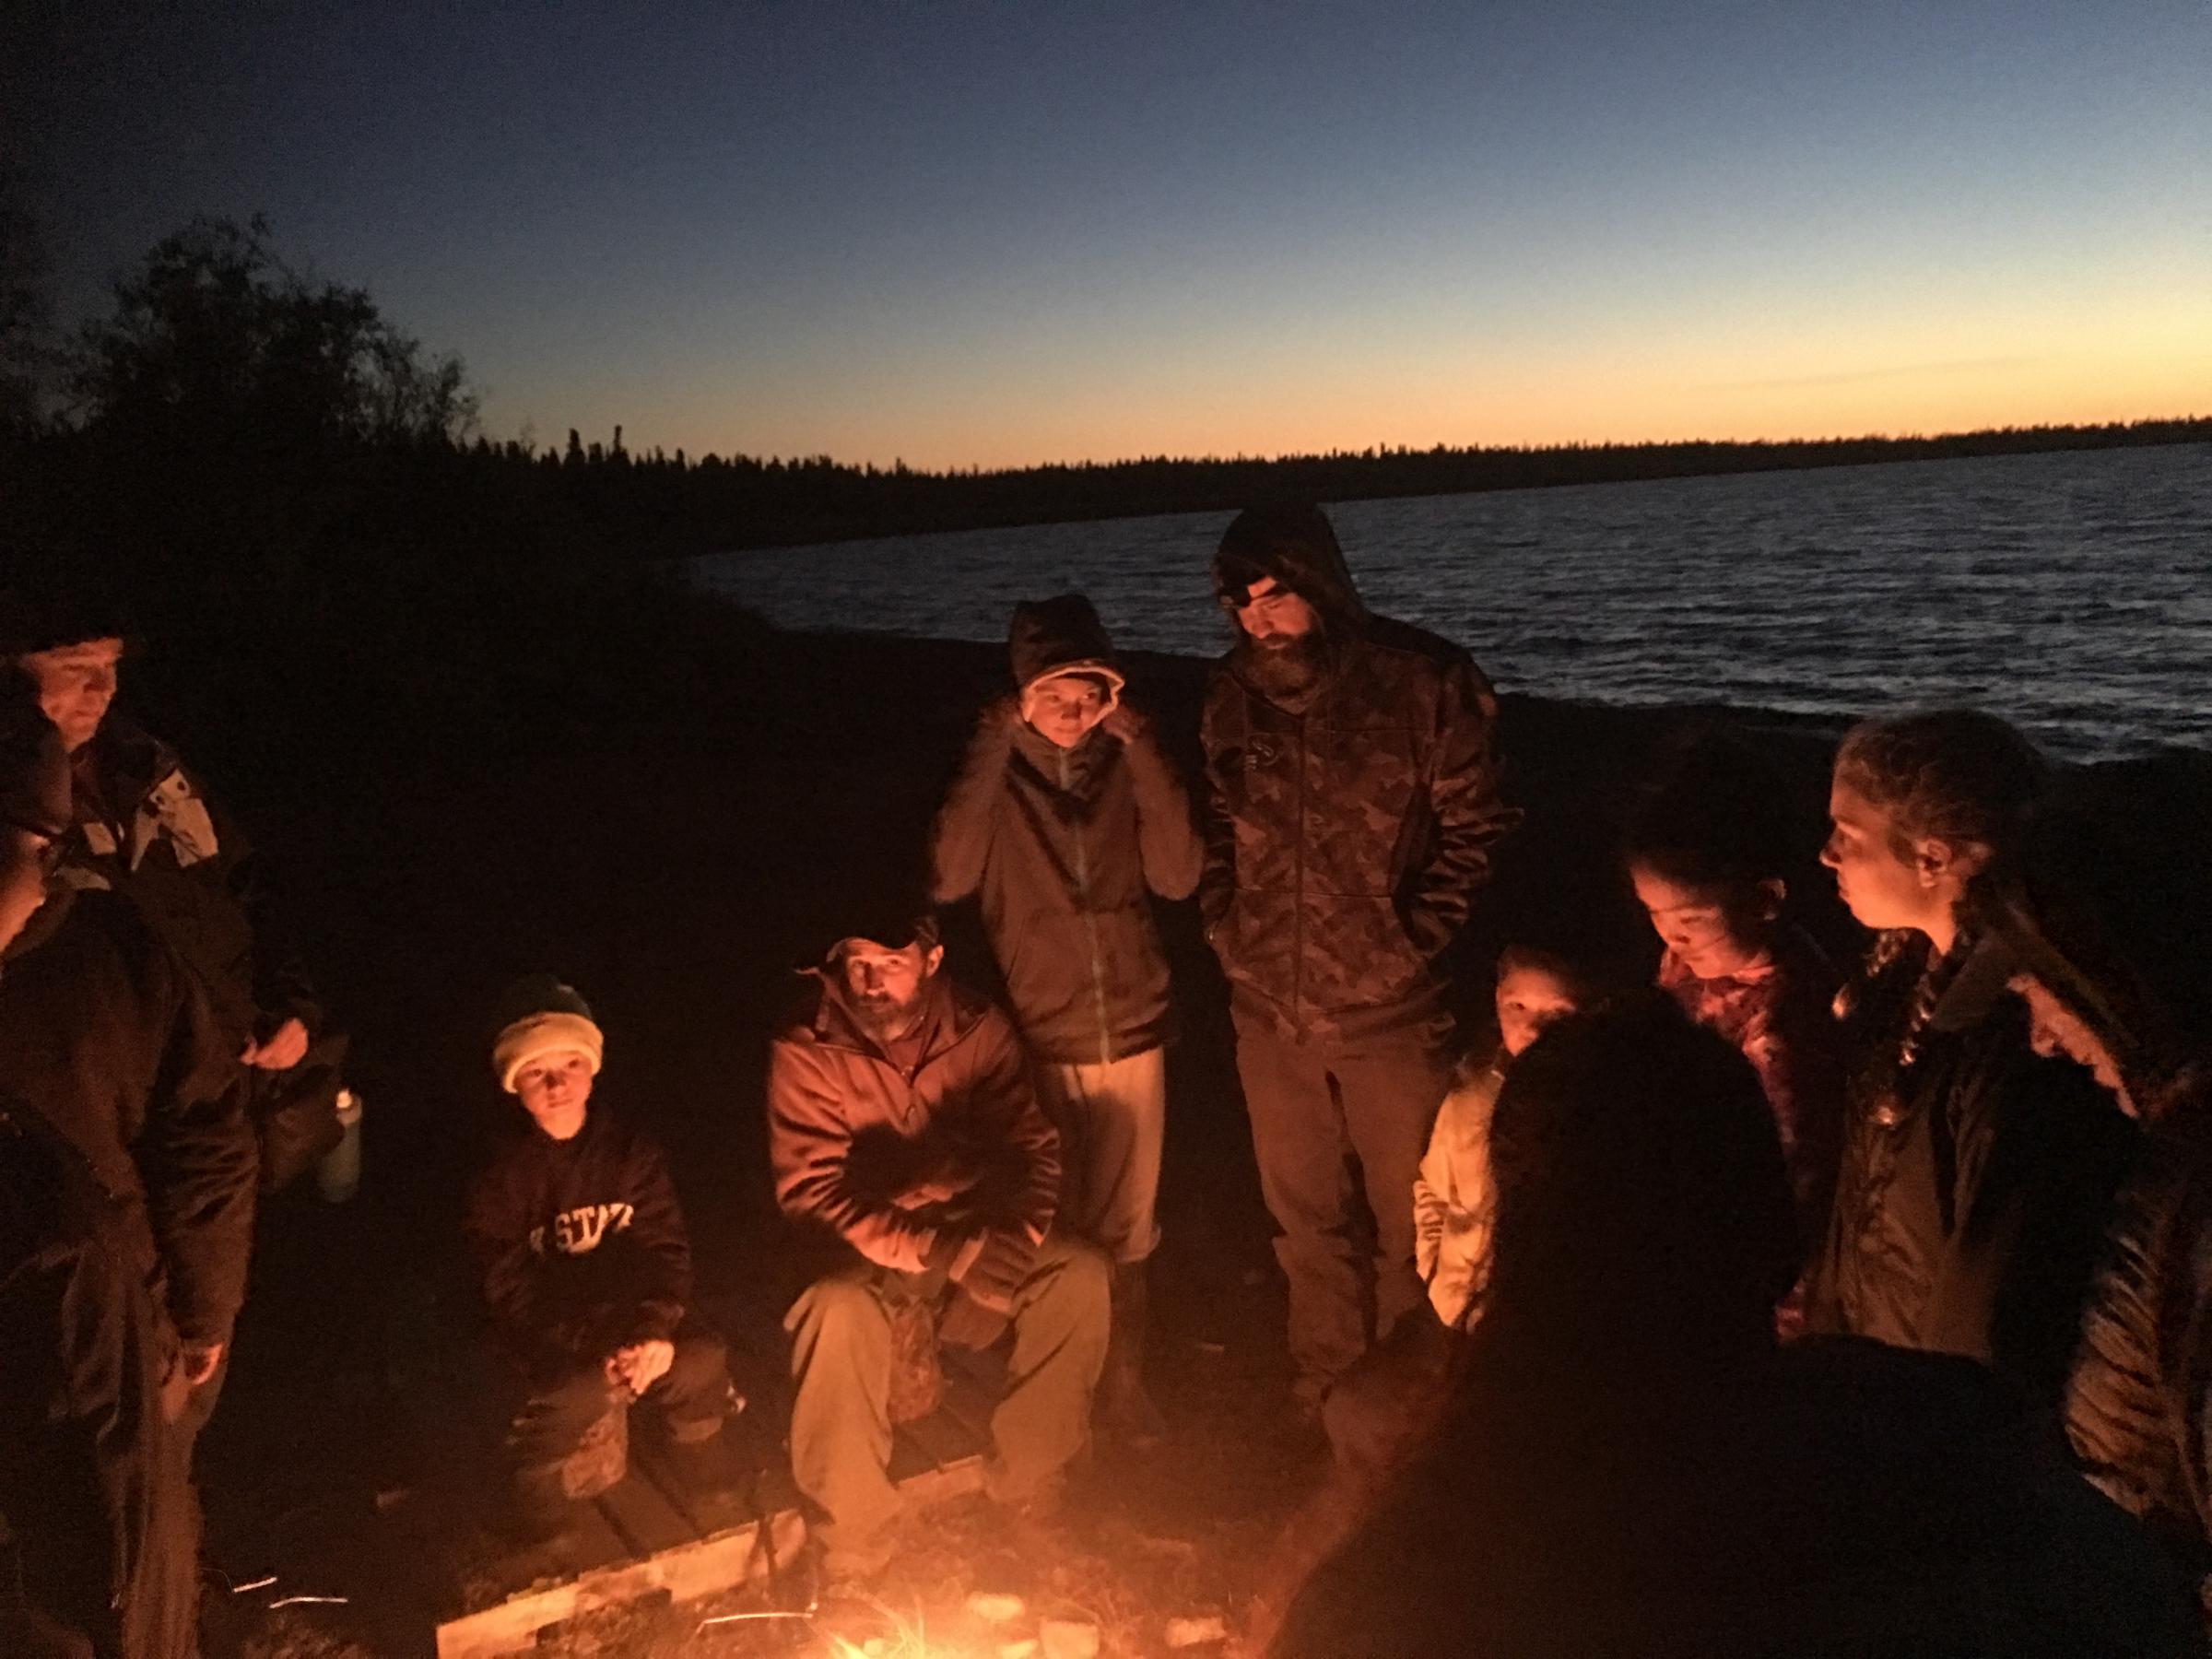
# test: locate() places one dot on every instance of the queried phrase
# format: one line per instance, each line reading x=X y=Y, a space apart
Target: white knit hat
x=550 y=1019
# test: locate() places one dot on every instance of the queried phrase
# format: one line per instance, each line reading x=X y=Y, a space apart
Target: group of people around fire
x=1738 y=1311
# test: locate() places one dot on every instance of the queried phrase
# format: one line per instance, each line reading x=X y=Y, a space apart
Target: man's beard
x=1287 y=672
x=887 y=1021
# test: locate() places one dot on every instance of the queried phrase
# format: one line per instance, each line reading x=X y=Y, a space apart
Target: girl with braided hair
x=1976 y=1174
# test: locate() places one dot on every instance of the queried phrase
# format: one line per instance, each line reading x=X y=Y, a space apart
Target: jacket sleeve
x=202 y=1166
x=810 y=1146
x=1431 y=1199
x=2039 y=1152
x=961 y=839
x=661 y=1243
x=1464 y=797
x=1001 y=1107
x=497 y=1230
x=1218 y=873
x=1167 y=839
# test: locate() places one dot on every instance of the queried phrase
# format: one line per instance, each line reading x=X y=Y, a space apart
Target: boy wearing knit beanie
x=574 y=1228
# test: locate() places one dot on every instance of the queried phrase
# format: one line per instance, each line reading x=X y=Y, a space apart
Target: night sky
x=961 y=234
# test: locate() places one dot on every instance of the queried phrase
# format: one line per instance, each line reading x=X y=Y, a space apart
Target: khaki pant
x=1338 y=1135
x=1112 y=1120
x=840 y=1362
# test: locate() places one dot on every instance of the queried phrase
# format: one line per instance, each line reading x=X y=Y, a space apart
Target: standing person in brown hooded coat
x=1350 y=809
x=1065 y=815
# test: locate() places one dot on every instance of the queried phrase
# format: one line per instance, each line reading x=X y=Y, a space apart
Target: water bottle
x=338 y=1170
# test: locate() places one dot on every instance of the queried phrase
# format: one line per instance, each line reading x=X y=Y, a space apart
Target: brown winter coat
x=1060 y=847
x=2139 y=1403
x=885 y=1158
x=1345 y=841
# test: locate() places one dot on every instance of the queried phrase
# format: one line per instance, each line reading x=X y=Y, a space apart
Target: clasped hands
x=639 y=1365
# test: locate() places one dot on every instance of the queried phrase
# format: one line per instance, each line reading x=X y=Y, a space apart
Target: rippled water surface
x=2071 y=592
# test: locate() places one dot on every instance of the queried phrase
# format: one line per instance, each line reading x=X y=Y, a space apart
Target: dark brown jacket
x=885 y=1158
x=2140 y=1404
x=1345 y=841
x=104 y=1033
x=147 y=828
x=1060 y=846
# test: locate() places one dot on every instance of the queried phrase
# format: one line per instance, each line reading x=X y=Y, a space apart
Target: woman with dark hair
x=1709 y=847
x=1976 y=1175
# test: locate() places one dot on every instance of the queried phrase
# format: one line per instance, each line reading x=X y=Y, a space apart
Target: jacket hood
x=1049 y=637
x=1296 y=545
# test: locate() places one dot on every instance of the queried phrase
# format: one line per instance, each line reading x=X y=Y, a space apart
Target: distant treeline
x=233 y=430
x=742 y=501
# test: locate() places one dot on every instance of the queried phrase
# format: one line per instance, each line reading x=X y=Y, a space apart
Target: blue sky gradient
x=971 y=233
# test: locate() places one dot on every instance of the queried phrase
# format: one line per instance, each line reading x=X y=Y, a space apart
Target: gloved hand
x=967 y=1324
x=992 y=1274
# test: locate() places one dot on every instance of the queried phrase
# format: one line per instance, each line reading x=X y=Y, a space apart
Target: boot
x=1125 y=1409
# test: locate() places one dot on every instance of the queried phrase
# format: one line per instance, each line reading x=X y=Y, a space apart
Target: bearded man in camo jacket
x=1351 y=806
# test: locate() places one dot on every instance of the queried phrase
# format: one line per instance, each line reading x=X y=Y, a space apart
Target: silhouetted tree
x=214 y=337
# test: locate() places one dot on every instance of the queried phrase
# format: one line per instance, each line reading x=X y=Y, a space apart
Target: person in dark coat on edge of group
x=1065 y=814
x=2111 y=961
x=147 y=827
x=1351 y=806
x=125 y=1216
x=574 y=1227
x=903 y=1131
x=1977 y=1176
x=1633 y=1467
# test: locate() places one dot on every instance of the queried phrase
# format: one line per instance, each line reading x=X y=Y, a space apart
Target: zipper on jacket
x=1091 y=921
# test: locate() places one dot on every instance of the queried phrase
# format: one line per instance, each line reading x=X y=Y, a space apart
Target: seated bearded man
x=901 y=1120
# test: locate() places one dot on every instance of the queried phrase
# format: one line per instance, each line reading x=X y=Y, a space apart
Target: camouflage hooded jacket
x=1345 y=839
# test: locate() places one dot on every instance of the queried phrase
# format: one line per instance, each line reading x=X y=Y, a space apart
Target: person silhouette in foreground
x=902 y=1122
x=586 y=1260
x=1632 y=1466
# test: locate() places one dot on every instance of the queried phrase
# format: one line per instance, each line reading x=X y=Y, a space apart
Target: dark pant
x=1339 y=1136
x=1384 y=1407
x=555 y=1410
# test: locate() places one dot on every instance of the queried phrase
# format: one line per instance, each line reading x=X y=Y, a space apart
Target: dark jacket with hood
x=2140 y=1404
x=108 y=1036
x=1061 y=846
x=1976 y=1178
x=1346 y=827
x=148 y=829
x=581 y=1243
x=893 y=1159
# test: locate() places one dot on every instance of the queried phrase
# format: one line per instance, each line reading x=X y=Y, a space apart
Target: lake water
x=2070 y=593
